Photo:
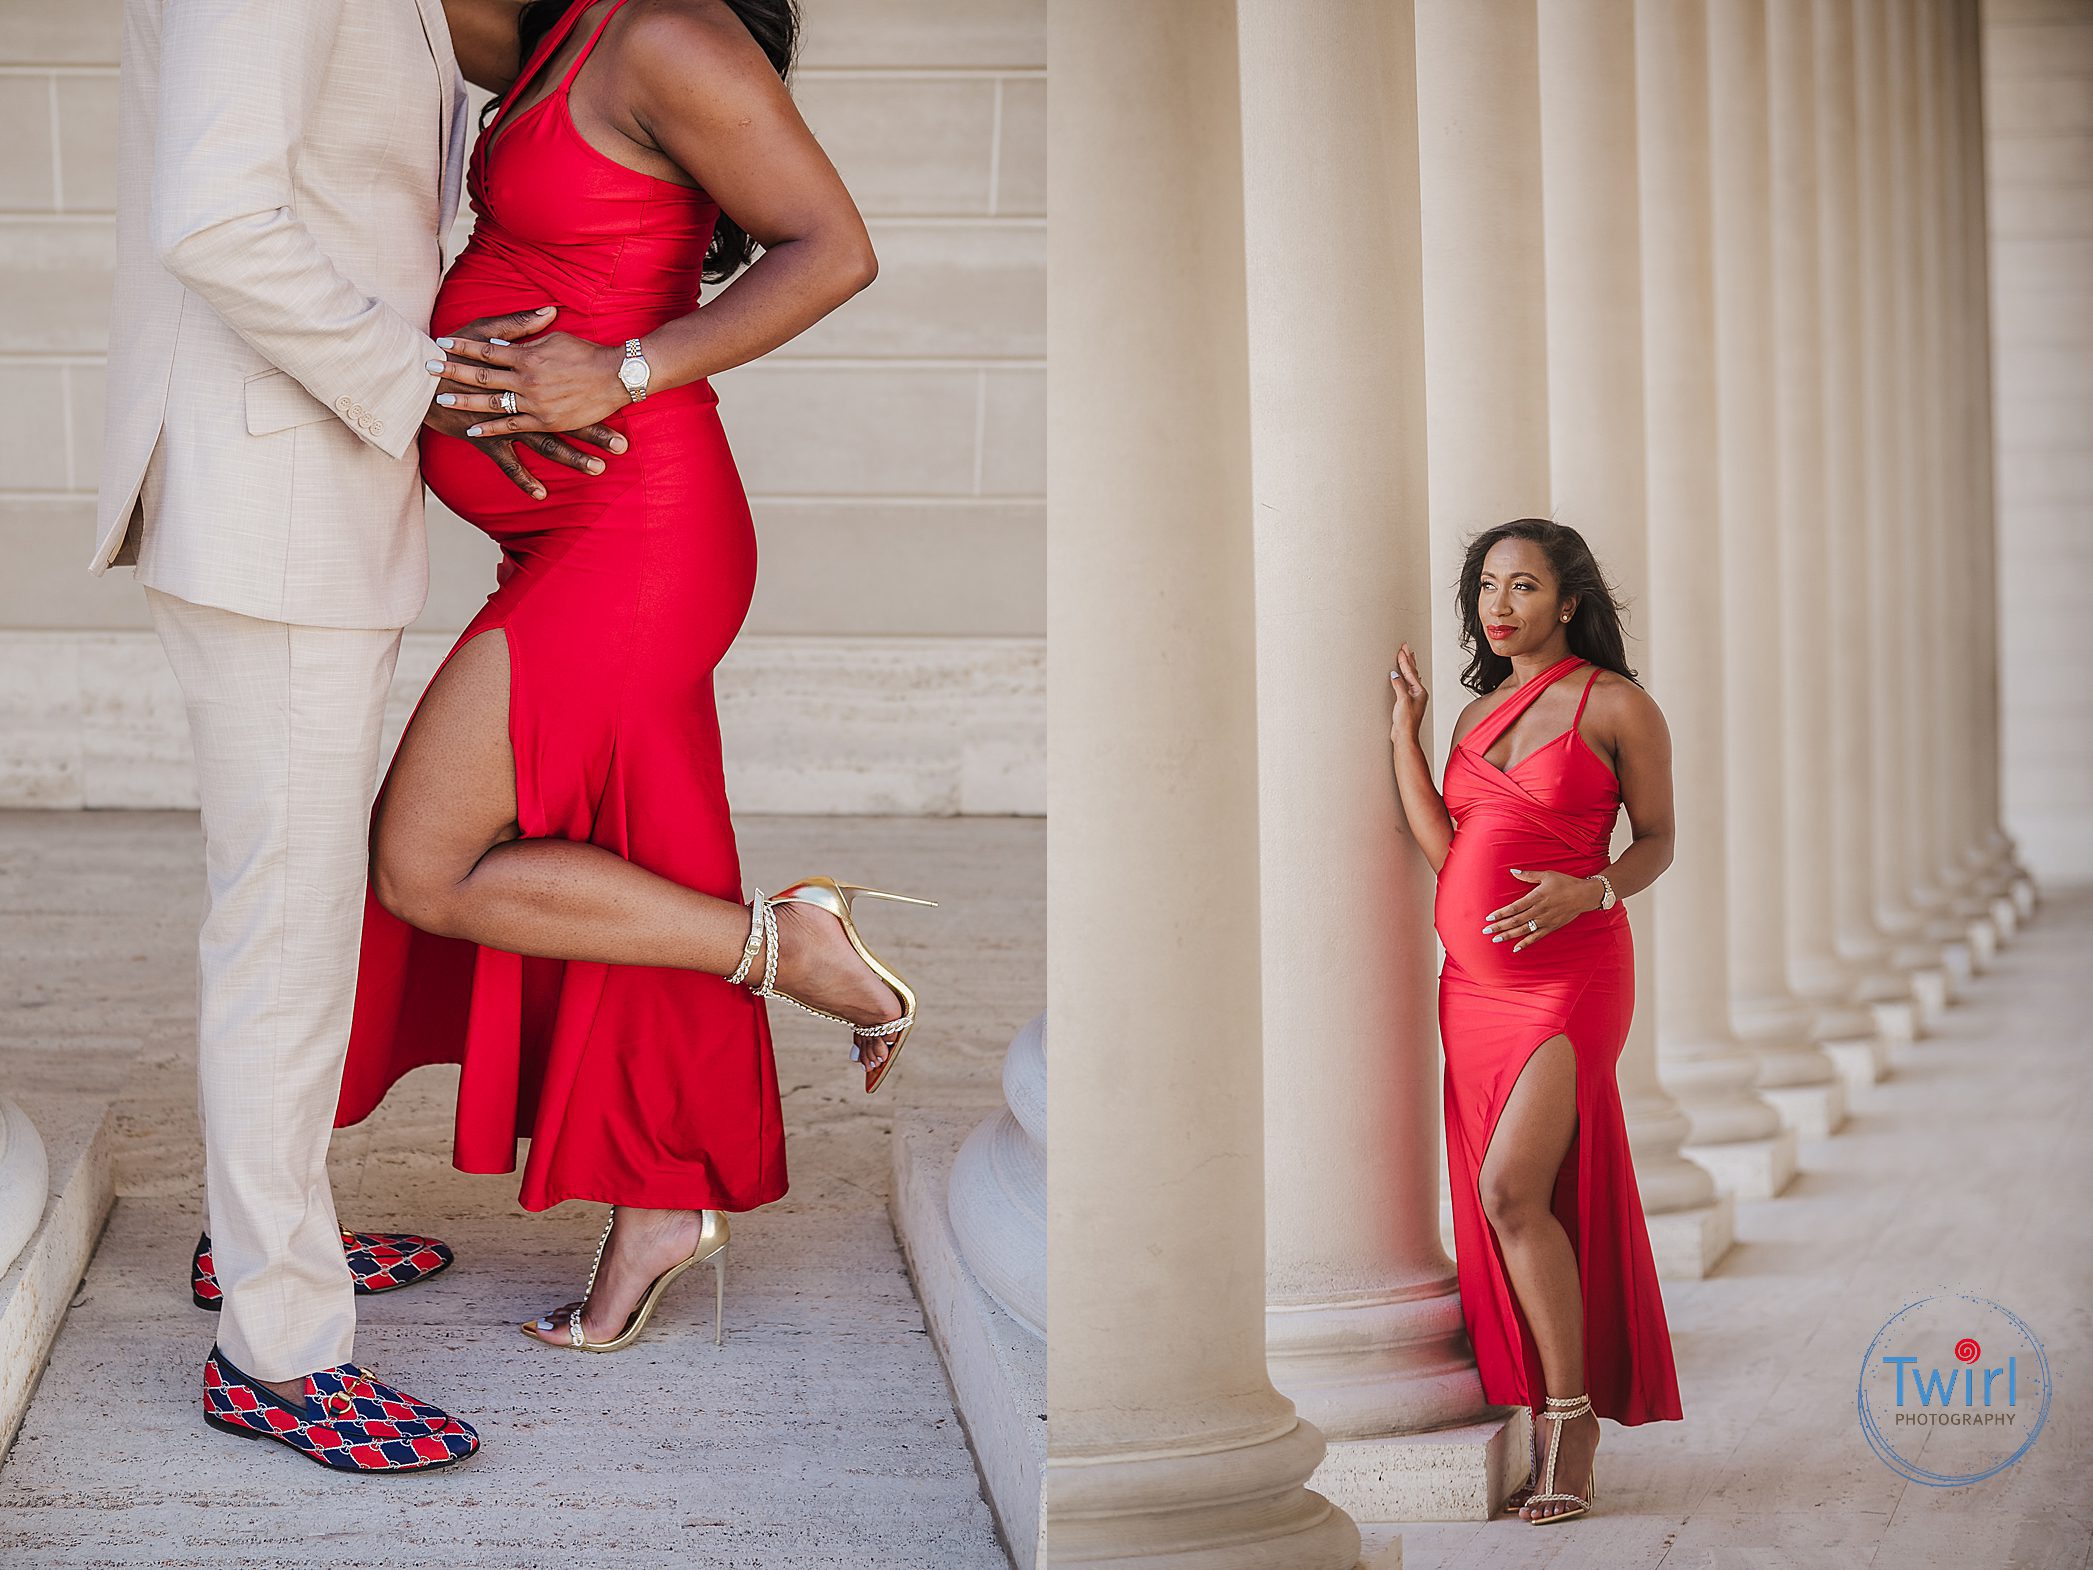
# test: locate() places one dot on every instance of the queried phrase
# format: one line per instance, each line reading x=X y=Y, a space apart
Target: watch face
x=633 y=373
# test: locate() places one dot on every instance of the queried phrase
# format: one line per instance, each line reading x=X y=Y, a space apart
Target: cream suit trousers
x=286 y=722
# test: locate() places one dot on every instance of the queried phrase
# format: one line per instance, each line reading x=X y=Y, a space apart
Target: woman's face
x=1517 y=602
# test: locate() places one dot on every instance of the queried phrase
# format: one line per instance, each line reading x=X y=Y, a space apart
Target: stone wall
x=2038 y=82
x=895 y=454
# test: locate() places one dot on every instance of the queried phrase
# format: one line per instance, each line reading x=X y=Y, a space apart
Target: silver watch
x=1606 y=896
x=634 y=371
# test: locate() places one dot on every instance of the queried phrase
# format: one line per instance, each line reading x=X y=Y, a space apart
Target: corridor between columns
x=1338 y=285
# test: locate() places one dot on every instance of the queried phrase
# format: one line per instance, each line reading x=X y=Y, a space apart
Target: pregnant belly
x=1477 y=879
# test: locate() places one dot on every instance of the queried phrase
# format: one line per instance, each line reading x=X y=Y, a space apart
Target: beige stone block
x=2021 y=212
x=69 y=32
x=1022 y=157
x=45 y=544
x=1013 y=433
x=56 y=276
x=939 y=569
x=2046 y=424
x=2045 y=478
x=806 y=430
x=907 y=145
x=85 y=387
x=134 y=731
x=39 y=721
x=915 y=33
x=2035 y=49
x=26 y=168
x=2041 y=374
x=943 y=290
x=2043 y=104
x=87 y=142
x=2057 y=157
x=32 y=427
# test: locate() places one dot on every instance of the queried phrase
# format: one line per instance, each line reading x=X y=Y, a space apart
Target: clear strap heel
x=837 y=899
x=712 y=1245
x=1560 y=1411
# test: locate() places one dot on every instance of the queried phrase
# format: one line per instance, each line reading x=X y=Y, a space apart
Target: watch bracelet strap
x=633 y=352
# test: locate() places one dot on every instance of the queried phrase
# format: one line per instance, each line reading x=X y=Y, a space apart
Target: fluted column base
x=1391 y=1384
x=1240 y=1506
x=1795 y=1075
x=1750 y=1168
x=25 y=1182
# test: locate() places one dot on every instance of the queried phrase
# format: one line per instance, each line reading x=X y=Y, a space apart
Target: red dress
x=618 y=594
x=1553 y=810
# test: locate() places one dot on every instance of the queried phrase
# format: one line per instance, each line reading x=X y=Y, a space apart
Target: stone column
x=1734 y=1132
x=1593 y=266
x=1962 y=911
x=1363 y=1324
x=1847 y=879
x=1168 y=1444
x=1999 y=855
x=1964 y=424
x=1485 y=328
x=1840 y=1022
x=1884 y=368
x=1761 y=623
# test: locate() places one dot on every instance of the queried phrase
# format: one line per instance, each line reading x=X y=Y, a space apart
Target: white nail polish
x=502 y=341
x=447 y=400
x=475 y=430
x=446 y=343
x=433 y=367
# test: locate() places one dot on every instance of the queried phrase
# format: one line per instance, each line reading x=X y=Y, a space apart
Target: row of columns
x=1334 y=284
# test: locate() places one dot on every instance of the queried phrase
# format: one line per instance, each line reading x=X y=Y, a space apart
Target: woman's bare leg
x=1517 y=1184
x=448 y=856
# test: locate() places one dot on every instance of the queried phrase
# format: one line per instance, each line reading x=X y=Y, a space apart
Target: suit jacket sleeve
x=237 y=81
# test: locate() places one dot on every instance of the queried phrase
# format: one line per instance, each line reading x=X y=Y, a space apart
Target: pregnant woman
x=556 y=901
x=1557 y=1285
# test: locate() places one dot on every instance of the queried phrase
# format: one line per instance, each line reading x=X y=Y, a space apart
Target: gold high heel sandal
x=712 y=1245
x=1560 y=1411
x=835 y=898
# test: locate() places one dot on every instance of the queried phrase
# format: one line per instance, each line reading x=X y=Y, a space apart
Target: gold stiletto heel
x=835 y=898
x=1560 y=1411
x=712 y=1245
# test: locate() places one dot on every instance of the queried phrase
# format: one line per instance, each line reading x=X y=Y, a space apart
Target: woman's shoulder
x=1620 y=704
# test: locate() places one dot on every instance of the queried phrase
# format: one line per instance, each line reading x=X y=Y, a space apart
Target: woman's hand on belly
x=560 y=382
x=1557 y=899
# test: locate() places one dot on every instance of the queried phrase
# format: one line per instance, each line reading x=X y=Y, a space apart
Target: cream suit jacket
x=286 y=170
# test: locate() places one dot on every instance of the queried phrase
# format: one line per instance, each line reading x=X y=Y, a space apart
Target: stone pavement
x=822 y=1433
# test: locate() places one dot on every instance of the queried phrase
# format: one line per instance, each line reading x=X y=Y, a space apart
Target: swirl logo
x=1970 y=1414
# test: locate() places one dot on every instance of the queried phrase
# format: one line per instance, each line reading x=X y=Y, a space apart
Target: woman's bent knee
x=1511 y=1210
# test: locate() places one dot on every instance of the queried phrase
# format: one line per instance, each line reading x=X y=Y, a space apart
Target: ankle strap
x=763 y=935
x=1566 y=1407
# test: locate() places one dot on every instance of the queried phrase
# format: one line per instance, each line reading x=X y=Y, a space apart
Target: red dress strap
x=1494 y=724
x=1585 y=697
x=588 y=49
x=548 y=46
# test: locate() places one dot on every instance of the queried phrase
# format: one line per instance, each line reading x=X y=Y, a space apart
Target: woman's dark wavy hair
x=774 y=24
x=1595 y=627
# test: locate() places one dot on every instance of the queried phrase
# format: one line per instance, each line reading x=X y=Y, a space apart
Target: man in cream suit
x=287 y=169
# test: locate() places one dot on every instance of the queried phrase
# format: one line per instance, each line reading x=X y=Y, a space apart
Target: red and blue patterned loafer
x=378 y=1262
x=348 y=1422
